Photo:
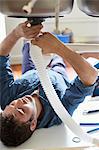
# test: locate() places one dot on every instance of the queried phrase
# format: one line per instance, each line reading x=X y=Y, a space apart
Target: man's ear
x=33 y=125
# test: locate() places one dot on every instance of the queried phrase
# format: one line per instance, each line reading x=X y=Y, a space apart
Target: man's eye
x=12 y=104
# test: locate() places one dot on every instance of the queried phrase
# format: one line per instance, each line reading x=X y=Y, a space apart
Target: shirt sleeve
x=76 y=94
x=6 y=78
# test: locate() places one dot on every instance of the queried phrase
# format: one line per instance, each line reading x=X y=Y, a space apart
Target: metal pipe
x=57 y=11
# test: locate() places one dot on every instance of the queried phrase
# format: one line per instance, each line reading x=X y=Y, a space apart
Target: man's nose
x=18 y=103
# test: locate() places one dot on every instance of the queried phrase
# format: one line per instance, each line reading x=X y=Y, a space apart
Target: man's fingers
x=29 y=26
x=31 y=33
x=33 y=36
x=38 y=38
x=34 y=41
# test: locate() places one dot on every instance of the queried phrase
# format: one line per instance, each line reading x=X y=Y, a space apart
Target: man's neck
x=38 y=104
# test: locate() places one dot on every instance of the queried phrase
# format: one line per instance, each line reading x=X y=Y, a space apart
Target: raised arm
x=20 y=31
x=50 y=44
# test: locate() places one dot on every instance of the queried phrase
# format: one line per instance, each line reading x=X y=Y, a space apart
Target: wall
x=16 y=56
x=84 y=28
x=81 y=24
x=2 y=27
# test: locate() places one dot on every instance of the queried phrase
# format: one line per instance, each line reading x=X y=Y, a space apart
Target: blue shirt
x=70 y=94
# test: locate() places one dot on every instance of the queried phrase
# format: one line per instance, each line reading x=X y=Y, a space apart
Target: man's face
x=22 y=109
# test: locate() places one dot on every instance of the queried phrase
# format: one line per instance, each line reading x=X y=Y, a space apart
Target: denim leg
x=57 y=64
x=96 y=91
x=97 y=66
x=27 y=63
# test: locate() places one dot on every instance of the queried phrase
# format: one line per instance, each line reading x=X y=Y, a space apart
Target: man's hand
x=48 y=42
x=22 y=30
x=51 y=44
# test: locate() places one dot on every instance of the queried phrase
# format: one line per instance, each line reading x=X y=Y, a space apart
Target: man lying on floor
x=23 y=101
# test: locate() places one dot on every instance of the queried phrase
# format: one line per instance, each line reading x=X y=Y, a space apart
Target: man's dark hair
x=12 y=132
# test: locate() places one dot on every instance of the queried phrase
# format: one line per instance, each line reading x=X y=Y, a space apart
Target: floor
x=17 y=71
x=71 y=73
